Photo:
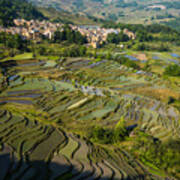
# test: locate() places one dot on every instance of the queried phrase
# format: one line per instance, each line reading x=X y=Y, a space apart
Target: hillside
x=67 y=17
x=119 y=10
x=15 y=9
x=92 y=100
x=78 y=128
x=22 y=9
x=68 y=111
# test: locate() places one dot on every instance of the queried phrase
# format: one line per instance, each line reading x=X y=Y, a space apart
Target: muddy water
x=31 y=64
x=22 y=92
x=26 y=96
x=26 y=102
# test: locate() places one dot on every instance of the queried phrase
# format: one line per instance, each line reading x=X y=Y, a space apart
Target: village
x=37 y=30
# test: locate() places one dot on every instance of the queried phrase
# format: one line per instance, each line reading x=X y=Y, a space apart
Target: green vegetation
x=131 y=11
x=54 y=15
x=164 y=156
x=109 y=136
x=65 y=99
x=149 y=33
x=69 y=35
x=127 y=62
x=174 y=23
x=172 y=70
x=15 y=9
x=117 y=38
x=68 y=111
x=12 y=45
x=69 y=50
x=13 y=41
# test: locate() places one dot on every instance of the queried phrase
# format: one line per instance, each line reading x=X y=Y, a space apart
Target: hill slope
x=67 y=17
x=10 y=10
x=42 y=113
x=146 y=11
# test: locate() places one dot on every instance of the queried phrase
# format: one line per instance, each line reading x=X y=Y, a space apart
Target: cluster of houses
x=96 y=35
x=33 y=29
x=36 y=30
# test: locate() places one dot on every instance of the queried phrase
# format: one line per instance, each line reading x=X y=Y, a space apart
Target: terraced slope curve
x=43 y=105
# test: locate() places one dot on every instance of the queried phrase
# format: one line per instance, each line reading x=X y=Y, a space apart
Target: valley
x=50 y=104
x=89 y=90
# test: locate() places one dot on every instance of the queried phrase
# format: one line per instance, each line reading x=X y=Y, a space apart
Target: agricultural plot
x=43 y=105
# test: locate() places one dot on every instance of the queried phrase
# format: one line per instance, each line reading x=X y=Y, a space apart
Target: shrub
x=125 y=61
x=109 y=135
x=172 y=70
x=102 y=135
x=120 y=131
x=165 y=156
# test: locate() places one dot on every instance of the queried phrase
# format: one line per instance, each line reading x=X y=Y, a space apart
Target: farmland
x=84 y=96
x=49 y=108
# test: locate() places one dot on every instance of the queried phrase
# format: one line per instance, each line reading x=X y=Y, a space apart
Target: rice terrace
x=86 y=96
x=39 y=99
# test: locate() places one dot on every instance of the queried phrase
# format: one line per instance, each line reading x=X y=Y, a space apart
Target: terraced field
x=47 y=108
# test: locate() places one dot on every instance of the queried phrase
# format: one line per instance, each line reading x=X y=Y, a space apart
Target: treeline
x=153 y=28
x=13 y=9
x=13 y=41
x=69 y=35
x=117 y=38
x=149 y=33
x=12 y=45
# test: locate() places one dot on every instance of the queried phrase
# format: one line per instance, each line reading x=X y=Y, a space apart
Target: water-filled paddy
x=131 y=58
x=18 y=101
x=175 y=55
x=54 y=98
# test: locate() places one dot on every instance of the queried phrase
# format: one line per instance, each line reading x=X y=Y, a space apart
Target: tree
x=120 y=131
x=13 y=9
x=117 y=38
x=163 y=47
x=74 y=51
x=82 y=50
x=102 y=135
x=143 y=36
x=172 y=70
x=141 y=47
x=69 y=35
x=109 y=56
x=13 y=41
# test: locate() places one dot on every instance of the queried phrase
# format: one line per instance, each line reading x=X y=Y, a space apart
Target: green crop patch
x=48 y=110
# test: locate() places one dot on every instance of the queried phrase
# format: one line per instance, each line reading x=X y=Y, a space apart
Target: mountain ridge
x=119 y=10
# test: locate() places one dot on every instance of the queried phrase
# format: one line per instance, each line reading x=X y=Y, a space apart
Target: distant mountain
x=131 y=11
x=68 y=17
